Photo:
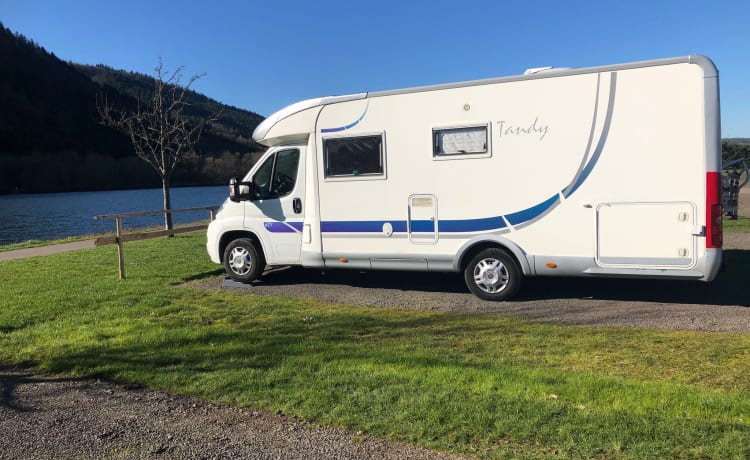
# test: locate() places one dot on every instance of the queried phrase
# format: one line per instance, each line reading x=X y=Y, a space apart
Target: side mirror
x=234 y=190
x=239 y=191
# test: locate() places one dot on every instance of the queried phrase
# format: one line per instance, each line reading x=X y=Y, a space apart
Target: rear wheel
x=493 y=274
x=242 y=261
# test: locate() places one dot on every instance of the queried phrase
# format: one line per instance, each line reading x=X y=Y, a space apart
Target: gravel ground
x=716 y=306
x=58 y=417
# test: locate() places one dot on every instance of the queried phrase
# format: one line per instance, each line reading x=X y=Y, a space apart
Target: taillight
x=714 y=211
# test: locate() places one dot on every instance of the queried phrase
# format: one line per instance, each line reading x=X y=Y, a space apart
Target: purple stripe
x=283 y=227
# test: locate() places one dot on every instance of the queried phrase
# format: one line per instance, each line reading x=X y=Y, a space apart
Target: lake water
x=59 y=215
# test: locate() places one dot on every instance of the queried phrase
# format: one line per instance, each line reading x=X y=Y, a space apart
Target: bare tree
x=161 y=134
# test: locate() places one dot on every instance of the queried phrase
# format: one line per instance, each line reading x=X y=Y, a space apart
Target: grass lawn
x=484 y=385
x=741 y=225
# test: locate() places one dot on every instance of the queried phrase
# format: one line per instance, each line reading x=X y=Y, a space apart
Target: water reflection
x=59 y=215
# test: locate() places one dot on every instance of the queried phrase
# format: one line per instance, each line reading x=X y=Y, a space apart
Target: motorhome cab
x=608 y=171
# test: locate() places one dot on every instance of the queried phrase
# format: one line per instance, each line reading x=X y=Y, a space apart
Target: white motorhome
x=608 y=171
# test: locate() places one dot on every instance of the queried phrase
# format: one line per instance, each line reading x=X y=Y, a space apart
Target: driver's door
x=276 y=204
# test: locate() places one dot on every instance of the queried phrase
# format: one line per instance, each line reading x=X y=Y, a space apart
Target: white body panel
x=597 y=171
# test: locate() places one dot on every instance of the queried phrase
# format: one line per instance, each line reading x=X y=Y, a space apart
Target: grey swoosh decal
x=586 y=169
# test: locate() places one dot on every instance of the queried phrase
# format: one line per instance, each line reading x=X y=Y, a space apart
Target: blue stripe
x=344 y=128
x=364 y=226
x=472 y=225
x=532 y=212
x=422 y=226
x=447 y=226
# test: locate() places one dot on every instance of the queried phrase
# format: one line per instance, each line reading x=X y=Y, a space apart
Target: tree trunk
x=167 y=203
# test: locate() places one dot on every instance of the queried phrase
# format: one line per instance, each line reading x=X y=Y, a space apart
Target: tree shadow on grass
x=12 y=377
x=346 y=364
x=269 y=344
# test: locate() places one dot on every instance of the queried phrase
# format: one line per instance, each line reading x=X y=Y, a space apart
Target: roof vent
x=536 y=70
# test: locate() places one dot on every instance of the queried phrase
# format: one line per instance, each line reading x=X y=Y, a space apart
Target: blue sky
x=262 y=56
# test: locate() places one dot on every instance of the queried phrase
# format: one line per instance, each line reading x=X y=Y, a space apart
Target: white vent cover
x=536 y=70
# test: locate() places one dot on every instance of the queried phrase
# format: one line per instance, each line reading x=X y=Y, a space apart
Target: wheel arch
x=475 y=245
x=230 y=236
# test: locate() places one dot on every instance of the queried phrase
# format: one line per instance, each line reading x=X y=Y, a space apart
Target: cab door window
x=277 y=175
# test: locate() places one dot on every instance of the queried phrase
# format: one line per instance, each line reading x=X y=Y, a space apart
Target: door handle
x=297 y=205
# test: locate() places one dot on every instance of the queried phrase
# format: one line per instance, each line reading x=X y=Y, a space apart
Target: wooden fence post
x=120 y=249
x=121 y=237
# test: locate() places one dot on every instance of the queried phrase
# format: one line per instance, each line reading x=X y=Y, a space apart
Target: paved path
x=46 y=250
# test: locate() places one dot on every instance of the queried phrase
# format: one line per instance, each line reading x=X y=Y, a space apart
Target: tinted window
x=262 y=179
x=277 y=176
x=353 y=156
x=285 y=173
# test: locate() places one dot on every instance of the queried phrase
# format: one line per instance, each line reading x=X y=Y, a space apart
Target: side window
x=262 y=179
x=353 y=156
x=470 y=140
x=277 y=176
x=285 y=173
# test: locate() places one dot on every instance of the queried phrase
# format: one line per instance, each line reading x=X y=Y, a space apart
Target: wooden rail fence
x=119 y=238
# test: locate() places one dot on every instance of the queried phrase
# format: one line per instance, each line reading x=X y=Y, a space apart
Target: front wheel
x=493 y=274
x=242 y=261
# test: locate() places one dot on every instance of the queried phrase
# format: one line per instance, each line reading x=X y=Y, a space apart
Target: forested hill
x=51 y=138
x=234 y=129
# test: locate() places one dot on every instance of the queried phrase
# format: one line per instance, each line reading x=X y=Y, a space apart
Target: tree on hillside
x=735 y=150
x=161 y=134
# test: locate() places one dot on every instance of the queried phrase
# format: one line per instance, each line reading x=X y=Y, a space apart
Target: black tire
x=242 y=261
x=493 y=274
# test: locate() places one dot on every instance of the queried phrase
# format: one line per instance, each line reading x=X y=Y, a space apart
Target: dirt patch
x=743 y=203
x=46 y=250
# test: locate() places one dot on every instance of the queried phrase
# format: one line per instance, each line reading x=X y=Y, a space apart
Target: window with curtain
x=460 y=141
